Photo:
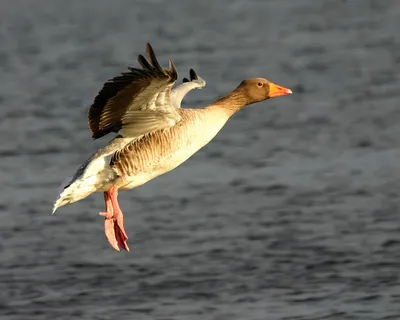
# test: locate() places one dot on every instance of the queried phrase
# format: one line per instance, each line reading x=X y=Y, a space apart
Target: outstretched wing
x=137 y=102
x=179 y=92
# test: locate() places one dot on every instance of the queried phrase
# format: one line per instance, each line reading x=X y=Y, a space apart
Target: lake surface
x=292 y=212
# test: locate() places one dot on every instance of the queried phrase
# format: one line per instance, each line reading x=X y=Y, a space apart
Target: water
x=292 y=212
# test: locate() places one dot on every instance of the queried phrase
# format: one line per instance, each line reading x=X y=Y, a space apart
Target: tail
x=74 y=191
x=89 y=178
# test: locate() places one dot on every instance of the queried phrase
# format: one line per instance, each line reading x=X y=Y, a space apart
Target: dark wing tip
x=144 y=63
x=173 y=73
x=193 y=75
x=152 y=57
x=102 y=132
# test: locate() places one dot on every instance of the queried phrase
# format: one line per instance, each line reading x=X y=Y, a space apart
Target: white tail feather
x=92 y=176
x=77 y=190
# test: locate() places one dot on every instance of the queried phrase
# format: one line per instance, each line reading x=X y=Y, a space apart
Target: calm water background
x=292 y=212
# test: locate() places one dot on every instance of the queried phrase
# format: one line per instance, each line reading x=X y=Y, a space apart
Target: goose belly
x=174 y=147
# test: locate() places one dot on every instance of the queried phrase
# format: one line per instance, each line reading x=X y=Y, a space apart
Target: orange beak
x=277 y=91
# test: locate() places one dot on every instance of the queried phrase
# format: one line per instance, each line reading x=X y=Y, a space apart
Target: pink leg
x=114 y=221
x=119 y=219
x=109 y=222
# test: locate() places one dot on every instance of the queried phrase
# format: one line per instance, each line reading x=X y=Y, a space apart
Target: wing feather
x=148 y=88
x=179 y=92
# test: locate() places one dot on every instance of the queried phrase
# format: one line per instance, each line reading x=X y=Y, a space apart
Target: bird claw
x=115 y=232
x=110 y=233
x=121 y=237
x=107 y=215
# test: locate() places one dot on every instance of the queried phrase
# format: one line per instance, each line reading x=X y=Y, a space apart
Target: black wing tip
x=149 y=49
x=98 y=135
x=153 y=63
x=173 y=73
x=152 y=57
x=144 y=63
x=193 y=75
x=102 y=132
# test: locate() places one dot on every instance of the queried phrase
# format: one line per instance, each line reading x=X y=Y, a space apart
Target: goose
x=153 y=134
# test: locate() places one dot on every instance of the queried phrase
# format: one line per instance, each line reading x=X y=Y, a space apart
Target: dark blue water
x=292 y=212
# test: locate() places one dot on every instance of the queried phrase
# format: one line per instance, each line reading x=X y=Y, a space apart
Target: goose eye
x=260 y=84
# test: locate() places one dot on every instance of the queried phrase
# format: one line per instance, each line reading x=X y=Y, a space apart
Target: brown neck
x=232 y=102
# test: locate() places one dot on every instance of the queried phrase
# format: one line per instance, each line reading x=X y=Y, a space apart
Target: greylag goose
x=154 y=135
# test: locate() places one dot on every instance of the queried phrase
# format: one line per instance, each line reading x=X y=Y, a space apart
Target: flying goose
x=154 y=135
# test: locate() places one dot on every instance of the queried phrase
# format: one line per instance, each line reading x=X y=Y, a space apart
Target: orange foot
x=114 y=221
